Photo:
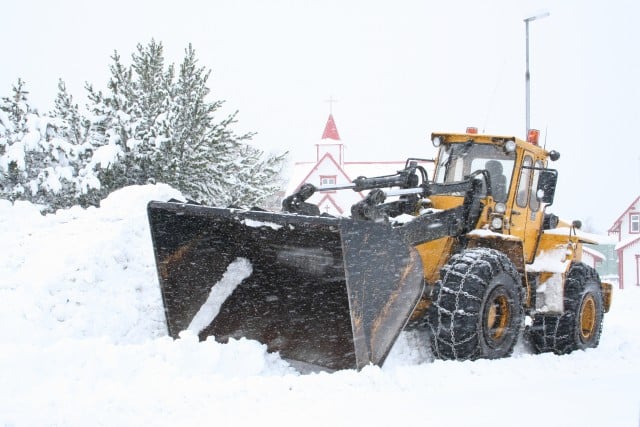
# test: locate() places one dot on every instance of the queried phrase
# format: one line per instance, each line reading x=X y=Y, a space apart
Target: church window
x=327 y=180
x=634 y=223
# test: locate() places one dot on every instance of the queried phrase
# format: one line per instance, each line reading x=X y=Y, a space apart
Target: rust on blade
x=176 y=257
x=406 y=276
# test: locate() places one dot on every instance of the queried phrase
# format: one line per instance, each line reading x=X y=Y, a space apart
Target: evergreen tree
x=83 y=188
x=254 y=169
x=200 y=150
x=14 y=111
x=112 y=129
x=73 y=126
x=164 y=130
x=152 y=87
x=39 y=159
x=149 y=125
x=208 y=160
x=127 y=121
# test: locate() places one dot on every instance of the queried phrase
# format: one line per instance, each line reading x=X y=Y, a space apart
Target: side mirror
x=547 y=185
x=554 y=155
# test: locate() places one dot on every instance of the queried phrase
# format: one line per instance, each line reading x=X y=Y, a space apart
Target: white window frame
x=634 y=223
x=328 y=180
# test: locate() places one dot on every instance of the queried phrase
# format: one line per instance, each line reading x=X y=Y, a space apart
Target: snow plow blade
x=330 y=292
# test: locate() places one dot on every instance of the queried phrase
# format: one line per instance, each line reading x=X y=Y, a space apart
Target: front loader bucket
x=331 y=292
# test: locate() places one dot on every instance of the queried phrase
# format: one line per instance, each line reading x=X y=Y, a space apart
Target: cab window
x=522 y=199
x=534 y=203
x=458 y=161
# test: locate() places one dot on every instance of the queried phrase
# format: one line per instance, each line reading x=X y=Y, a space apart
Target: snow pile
x=84 y=343
x=81 y=273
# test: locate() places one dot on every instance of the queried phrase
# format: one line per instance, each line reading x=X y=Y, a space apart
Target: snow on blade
x=256 y=224
x=236 y=272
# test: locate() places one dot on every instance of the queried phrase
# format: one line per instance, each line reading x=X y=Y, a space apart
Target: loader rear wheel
x=580 y=326
x=477 y=307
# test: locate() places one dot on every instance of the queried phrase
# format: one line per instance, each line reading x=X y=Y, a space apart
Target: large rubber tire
x=580 y=326
x=476 y=309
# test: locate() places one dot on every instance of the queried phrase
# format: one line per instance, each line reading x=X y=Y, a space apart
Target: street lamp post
x=527 y=75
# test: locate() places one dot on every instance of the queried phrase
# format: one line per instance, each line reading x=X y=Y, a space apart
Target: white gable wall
x=628 y=249
x=625 y=225
x=629 y=257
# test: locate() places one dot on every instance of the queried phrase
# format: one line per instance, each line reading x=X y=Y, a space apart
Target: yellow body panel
x=434 y=255
x=445 y=202
x=551 y=241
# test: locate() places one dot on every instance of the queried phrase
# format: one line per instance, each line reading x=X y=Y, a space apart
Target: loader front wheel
x=476 y=309
x=580 y=326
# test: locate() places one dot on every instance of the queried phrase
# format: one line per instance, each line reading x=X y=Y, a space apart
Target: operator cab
x=458 y=161
x=515 y=181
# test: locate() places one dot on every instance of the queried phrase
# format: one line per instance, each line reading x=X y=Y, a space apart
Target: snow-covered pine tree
x=148 y=126
x=155 y=128
x=209 y=161
x=55 y=185
x=7 y=128
x=190 y=150
x=152 y=87
x=72 y=127
x=129 y=121
x=257 y=178
x=112 y=127
x=37 y=163
x=14 y=143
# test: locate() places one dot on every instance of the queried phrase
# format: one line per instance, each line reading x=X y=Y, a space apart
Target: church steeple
x=330 y=130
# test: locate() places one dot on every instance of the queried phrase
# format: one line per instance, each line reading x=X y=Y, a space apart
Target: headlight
x=437 y=141
x=509 y=146
x=496 y=223
x=500 y=208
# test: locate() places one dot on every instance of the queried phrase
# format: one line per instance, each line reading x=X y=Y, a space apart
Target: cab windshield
x=457 y=161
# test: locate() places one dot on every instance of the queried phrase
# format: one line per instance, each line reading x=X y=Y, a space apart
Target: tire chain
x=472 y=259
x=554 y=332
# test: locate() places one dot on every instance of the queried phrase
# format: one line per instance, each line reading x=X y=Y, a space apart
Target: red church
x=331 y=168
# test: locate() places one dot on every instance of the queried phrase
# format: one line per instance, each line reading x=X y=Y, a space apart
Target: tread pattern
x=560 y=333
x=455 y=315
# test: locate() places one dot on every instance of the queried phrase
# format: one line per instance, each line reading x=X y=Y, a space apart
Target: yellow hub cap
x=588 y=318
x=498 y=317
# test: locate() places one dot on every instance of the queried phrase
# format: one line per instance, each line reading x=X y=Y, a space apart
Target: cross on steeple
x=331 y=101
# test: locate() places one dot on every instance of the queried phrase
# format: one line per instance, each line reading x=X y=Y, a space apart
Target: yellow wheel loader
x=466 y=254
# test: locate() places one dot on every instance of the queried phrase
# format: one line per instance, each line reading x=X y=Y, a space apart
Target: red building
x=331 y=168
x=626 y=229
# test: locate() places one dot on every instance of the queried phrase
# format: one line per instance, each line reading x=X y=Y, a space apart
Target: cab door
x=526 y=212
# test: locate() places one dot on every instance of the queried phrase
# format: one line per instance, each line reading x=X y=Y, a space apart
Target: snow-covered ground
x=84 y=343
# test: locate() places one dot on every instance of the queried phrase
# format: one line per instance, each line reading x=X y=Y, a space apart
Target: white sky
x=399 y=70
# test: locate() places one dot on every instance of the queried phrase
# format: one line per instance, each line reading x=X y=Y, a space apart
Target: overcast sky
x=398 y=70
